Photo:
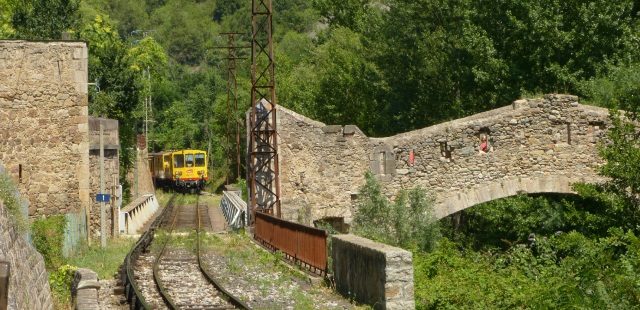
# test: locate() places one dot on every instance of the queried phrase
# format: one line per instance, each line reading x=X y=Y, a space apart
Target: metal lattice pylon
x=264 y=185
x=232 y=105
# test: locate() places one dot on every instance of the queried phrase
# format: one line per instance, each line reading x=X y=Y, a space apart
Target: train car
x=161 y=169
x=184 y=170
x=189 y=170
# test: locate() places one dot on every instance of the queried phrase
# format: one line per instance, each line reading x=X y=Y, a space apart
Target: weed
x=48 y=236
x=10 y=197
x=302 y=300
x=60 y=282
x=104 y=261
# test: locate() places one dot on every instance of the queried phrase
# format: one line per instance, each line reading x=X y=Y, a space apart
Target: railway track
x=171 y=275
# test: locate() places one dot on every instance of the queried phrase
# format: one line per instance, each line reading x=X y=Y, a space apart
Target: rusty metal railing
x=301 y=244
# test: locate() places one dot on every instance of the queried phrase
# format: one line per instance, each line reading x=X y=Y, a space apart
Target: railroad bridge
x=540 y=145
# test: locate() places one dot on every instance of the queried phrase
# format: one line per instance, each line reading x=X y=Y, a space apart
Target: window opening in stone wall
x=596 y=129
x=569 y=133
x=20 y=173
x=381 y=162
x=485 y=143
x=445 y=152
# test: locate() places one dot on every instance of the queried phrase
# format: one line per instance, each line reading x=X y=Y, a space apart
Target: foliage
x=408 y=223
x=60 y=281
x=242 y=185
x=620 y=89
x=500 y=224
x=48 y=238
x=560 y=271
x=44 y=19
x=622 y=156
x=6 y=11
x=10 y=198
x=115 y=69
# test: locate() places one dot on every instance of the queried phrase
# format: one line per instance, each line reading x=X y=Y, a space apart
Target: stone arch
x=447 y=205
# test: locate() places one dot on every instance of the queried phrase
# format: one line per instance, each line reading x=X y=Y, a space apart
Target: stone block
x=363 y=270
x=349 y=129
x=332 y=129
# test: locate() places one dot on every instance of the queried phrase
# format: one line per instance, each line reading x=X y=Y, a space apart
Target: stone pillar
x=373 y=273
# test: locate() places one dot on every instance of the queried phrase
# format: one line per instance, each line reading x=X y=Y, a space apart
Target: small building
x=48 y=143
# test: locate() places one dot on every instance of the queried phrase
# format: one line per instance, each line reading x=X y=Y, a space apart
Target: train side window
x=199 y=160
x=189 y=160
x=178 y=161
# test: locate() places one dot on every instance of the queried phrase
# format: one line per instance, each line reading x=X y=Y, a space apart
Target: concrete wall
x=140 y=175
x=28 y=282
x=539 y=145
x=44 y=142
x=373 y=273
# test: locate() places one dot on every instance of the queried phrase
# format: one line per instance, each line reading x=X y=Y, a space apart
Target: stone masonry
x=28 y=281
x=538 y=145
x=373 y=273
x=44 y=142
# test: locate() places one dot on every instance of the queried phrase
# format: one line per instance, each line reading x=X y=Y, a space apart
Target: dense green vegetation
x=552 y=251
x=391 y=66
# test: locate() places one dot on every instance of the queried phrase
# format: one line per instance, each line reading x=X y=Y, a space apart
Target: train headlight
x=178 y=172
x=200 y=172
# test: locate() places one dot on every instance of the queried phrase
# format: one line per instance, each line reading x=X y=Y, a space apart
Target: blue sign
x=103 y=197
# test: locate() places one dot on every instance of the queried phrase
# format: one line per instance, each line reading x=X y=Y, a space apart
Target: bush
x=10 y=198
x=408 y=223
x=48 y=237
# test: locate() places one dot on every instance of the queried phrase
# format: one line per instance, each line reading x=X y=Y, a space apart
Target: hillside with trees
x=391 y=66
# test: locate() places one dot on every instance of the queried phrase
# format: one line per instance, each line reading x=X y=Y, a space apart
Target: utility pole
x=103 y=221
x=148 y=106
x=264 y=183
x=232 y=102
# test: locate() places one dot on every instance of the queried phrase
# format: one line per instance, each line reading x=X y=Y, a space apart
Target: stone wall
x=44 y=143
x=538 y=145
x=321 y=167
x=111 y=172
x=28 y=281
x=373 y=273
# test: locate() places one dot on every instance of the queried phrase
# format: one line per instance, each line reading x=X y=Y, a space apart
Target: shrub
x=48 y=236
x=408 y=223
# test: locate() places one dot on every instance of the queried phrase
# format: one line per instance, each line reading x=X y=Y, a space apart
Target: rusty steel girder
x=264 y=184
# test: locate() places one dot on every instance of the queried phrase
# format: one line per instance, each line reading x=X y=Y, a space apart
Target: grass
x=105 y=262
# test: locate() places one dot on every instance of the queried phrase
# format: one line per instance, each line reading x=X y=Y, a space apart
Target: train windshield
x=189 y=160
x=200 y=160
x=178 y=161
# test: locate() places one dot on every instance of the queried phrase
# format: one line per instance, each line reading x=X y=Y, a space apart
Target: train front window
x=189 y=160
x=178 y=161
x=200 y=160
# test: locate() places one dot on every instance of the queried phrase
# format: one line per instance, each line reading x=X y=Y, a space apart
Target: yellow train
x=184 y=170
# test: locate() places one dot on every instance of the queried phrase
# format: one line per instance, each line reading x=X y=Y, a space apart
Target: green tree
x=552 y=45
x=6 y=11
x=119 y=86
x=45 y=19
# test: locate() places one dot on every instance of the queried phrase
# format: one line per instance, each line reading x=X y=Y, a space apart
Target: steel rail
x=132 y=292
x=156 y=275
x=230 y=298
